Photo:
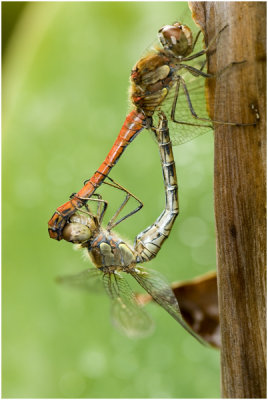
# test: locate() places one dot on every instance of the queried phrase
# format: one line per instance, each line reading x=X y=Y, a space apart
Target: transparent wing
x=181 y=132
x=157 y=286
x=127 y=315
x=90 y=280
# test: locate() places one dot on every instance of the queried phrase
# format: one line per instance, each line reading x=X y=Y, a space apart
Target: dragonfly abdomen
x=134 y=123
x=149 y=242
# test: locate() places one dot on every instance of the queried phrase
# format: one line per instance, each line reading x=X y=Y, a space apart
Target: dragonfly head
x=176 y=39
x=79 y=230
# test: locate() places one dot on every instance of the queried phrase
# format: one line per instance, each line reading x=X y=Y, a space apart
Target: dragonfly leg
x=196 y=39
x=148 y=243
x=112 y=223
x=233 y=63
x=101 y=207
x=174 y=105
x=207 y=119
x=199 y=72
x=196 y=72
x=100 y=210
x=204 y=51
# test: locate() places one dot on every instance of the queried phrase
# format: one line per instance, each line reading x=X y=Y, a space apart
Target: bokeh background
x=66 y=68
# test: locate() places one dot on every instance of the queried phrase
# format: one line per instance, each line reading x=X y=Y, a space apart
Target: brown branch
x=239 y=190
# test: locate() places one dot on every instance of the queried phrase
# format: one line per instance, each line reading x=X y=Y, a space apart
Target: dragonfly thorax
x=176 y=39
x=108 y=252
x=153 y=75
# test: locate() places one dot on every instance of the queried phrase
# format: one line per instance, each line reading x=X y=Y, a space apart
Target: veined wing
x=157 y=286
x=127 y=315
x=90 y=280
x=184 y=131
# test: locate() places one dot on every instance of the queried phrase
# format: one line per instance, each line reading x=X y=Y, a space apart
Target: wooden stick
x=240 y=165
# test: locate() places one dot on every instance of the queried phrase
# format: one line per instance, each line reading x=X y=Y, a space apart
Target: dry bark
x=239 y=184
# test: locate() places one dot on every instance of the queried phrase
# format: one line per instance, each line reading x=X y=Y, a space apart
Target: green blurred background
x=66 y=68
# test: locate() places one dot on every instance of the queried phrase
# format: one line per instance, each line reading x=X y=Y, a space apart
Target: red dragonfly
x=156 y=77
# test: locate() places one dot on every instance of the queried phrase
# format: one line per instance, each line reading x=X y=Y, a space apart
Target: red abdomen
x=134 y=123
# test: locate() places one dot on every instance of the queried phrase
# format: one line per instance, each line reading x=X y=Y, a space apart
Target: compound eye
x=170 y=33
x=76 y=233
x=176 y=38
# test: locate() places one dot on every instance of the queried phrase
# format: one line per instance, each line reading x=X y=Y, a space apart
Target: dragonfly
x=114 y=259
x=156 y=82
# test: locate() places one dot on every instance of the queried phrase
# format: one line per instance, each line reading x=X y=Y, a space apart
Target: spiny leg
x=198 y=72
x=196 y=39
x=204 y=51
x=173 y=109
x=207 y=119
x=174 y=104
x=112 y=223
x=195 y=71
x=99 y=200
x=100 y=211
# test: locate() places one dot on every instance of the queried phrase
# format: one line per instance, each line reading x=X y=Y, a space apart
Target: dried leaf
x=198 y=301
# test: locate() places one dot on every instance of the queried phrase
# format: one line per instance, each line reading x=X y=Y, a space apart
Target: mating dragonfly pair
x=155 y=83
x=114 y=258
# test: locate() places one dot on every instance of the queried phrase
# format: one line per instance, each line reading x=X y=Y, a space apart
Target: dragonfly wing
x=184 y=132
x=89 y=280
x=127 y=315
x=156 y=285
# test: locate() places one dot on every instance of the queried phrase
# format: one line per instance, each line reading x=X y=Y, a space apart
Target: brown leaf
x=198 y=301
